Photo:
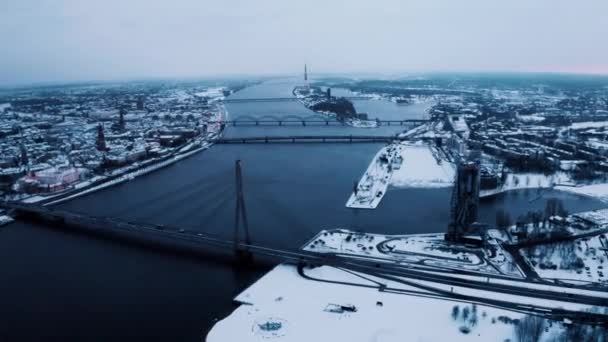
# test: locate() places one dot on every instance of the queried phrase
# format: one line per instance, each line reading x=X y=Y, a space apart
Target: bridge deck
x=311 y=139
x=175 y=237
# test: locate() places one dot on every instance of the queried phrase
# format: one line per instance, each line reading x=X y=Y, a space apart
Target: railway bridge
x=307 y=120
x=299 y=139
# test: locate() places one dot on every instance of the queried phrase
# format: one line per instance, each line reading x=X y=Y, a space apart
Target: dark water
x=55 y=284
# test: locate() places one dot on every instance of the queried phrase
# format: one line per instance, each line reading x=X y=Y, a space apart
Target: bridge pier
x=257 y=123
x=303 y=123
x=280 y=123
x=243 y=255
x=326 y=122
x=266 y=139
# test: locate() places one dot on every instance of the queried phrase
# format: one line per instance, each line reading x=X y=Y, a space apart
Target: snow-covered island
x=340 y=108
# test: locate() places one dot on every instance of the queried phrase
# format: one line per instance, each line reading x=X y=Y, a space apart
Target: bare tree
x=465 y=313
x=555 y=207
x=455 y=312
x=530 y=329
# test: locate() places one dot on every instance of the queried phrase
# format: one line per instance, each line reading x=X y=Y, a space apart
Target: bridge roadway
x=282 y=99
x=174 y=237
x=294 y=139
x=311 y=122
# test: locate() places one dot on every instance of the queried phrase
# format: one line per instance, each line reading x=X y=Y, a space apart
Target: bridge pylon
x=242 y=253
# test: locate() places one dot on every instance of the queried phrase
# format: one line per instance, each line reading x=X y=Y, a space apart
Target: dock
x=374 y=183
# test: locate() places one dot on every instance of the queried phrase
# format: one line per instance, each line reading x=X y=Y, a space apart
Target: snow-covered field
x=422 y=168
x=284 y=306
x=331 y=304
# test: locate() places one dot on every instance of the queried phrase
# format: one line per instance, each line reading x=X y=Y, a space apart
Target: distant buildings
x=100 y=130
x=49 y=180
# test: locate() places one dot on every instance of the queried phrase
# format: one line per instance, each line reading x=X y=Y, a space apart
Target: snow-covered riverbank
x=126 y=176
x=599 y=191
x=4 y=219
x=559 y=181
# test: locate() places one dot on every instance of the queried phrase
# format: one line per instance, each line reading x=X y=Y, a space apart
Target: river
x=60 y=284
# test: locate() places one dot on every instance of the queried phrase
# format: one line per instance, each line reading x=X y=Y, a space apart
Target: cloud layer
x=69 y=40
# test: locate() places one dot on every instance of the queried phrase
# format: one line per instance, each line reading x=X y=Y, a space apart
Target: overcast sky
x=70 y=40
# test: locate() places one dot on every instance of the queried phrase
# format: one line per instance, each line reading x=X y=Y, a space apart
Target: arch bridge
x=306 y=120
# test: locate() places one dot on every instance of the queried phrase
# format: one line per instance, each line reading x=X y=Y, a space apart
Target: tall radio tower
x=306 y=76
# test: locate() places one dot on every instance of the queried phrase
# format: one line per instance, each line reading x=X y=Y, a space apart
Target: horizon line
x=33 y=84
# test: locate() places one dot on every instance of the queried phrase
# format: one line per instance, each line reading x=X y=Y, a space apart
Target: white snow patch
x=589 y=124
x=599 y=191
x=517 y=181
x=284 y=296
x=212 y=92
x=4 y=219
x=422 y=167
